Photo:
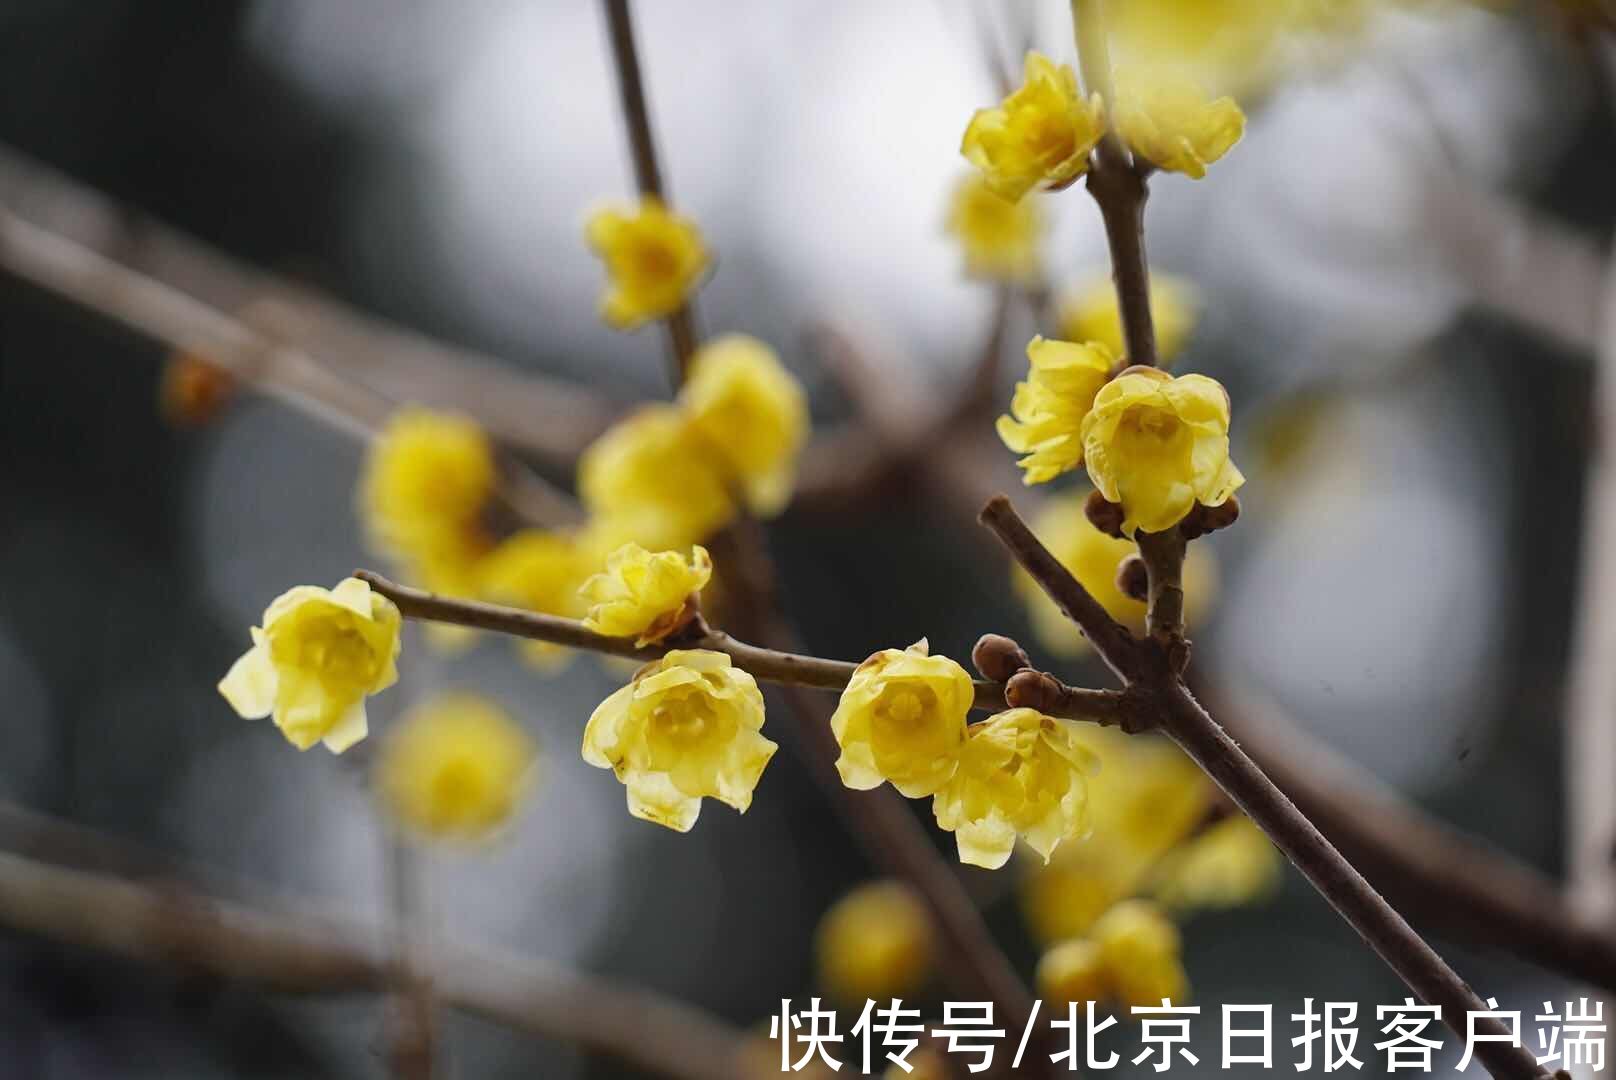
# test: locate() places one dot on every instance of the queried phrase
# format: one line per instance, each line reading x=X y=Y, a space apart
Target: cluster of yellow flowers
x=902 y=719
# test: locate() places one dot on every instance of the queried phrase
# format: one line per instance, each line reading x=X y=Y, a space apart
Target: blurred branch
x=172 y=927
x=771 y=665
x=50 y=215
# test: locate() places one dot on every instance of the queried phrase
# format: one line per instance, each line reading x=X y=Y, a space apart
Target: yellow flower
x=455 y=768
x=656 y=480
x=1170 y=122
x=1073 y=971
x=653 y=258
x=1040 y=135
x=1229 y=45
x=902 y=718
x=875 y=943
x=427 y=479
x=1230 y=864
x=1091 y=314
x=752 y=412
x=1092 y=557
x=318 y=655
x=540 y=571
x=1000 y=237
x=687 y=728
x=1047 y=411
x=1140 y=948
x=1158 y=445
x=644 y=595
x=1020 y=774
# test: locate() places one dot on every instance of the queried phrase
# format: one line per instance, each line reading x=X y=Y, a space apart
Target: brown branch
x=770 y=665
x=173 y=927
x=1160 y=700
x=647 y=174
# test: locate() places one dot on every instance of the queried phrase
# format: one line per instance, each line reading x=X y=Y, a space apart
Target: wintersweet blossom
x=455 y=768
x=687 y=727
x=427 y=480
x=1141 y=950
x=1072 y=971
x=1172 y=123
x=318 y=655
x=646 y=595
x=902 y=719
x=1090 y=313
x=1158 y=445
x=1039 y=136
x=875 y=943
x=541 y=571
x=1230 y=864
x=1092 y=556
x=656 y=480
x=1020 y=774
x=653 y=257
x=752 y=411
x=1046 y=413
x=1000 y=237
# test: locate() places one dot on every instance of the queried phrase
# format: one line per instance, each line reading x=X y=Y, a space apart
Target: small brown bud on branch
x=1205 y=519
x=999 y=658
x=1133 y=578
x=1104 y=515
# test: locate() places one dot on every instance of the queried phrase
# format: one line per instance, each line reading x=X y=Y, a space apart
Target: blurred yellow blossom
x=1020 y=774
x=455 y=768
x=1047 y=410
x=1092 y=557
x=875 y=943
x=1090 y=313
x=540 y=571
x=1231 y=46
x=1001 y=238
x=1140 y=948
x=1072 y=971
x=1230 y=864
x=902 y=718
x=750 y=409
x=427 y=480
x=656 y=480
x=646 y=595
x=653 y=259
x=1169 y=121
x=319 y=653
x=1158 y=445
x=687 y=727
x=1039 y=136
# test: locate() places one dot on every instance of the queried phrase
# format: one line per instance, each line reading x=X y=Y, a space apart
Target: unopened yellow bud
x=687 y=727
x=654 y=258
x=1039 y=136
x=318 y=655
x=875 y=943
x=902 y=719
x=455 y=768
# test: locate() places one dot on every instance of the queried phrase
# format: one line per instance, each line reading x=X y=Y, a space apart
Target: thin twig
x=771 y=665
x=647 y=174
x=171 y=926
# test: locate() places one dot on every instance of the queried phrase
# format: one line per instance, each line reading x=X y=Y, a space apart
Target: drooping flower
x=1169 y=121
x=646 y=595
x=318 y=655
x=1230 y=864
x=687 y=727
x=1046 y=414
x=455 y=768
x=750 y=409
x=653 y=259
x=1020 y=774
x=540 y=571
x=427 y=480
x=1158 y=445
x=1039 y=136
x=1092 y=557
x=656 y=479
x=1090 y=313
x=902 y=719
x=1141 y=950
x=1000 y=237
x=875 y=943
x=1072 y=971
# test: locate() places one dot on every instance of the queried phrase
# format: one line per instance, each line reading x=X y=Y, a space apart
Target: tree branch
x=173 y=927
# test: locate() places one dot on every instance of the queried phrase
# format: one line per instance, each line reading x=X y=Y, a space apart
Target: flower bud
x=999 y=658
x=1133 y=578
x=1104 y=514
